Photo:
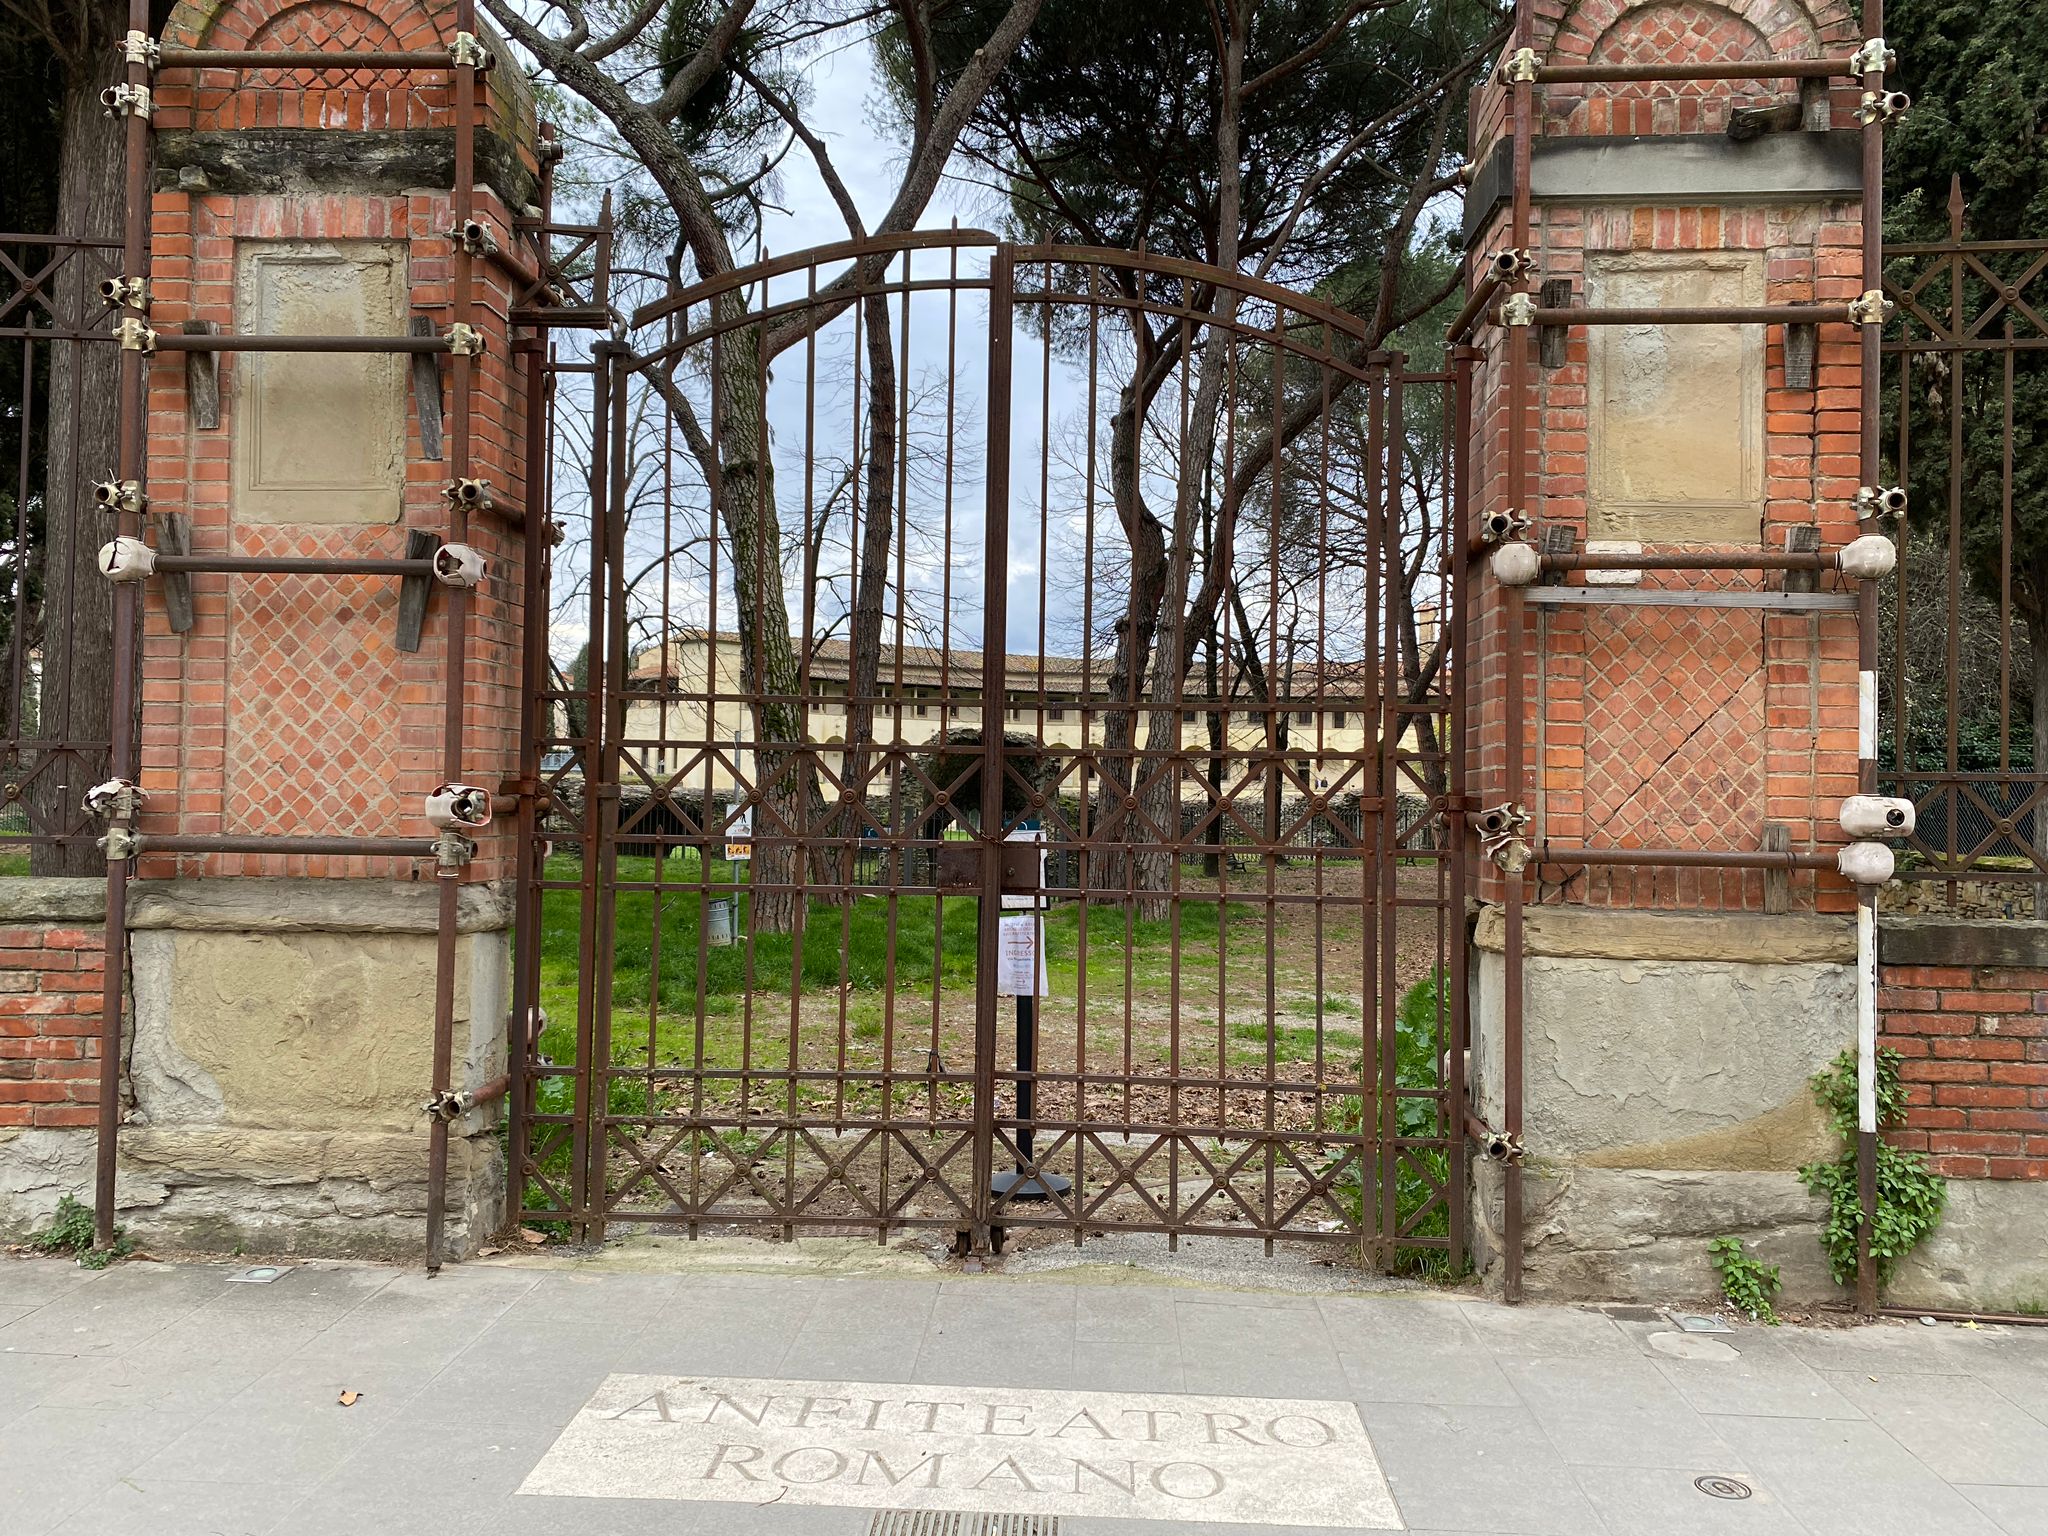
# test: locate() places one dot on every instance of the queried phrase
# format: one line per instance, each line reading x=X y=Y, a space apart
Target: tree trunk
x=1134 y=633
x=785 y=776
x=84 y=423
x=864 y=640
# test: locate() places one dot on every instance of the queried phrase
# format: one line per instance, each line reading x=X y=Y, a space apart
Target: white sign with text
x=1114 y=1455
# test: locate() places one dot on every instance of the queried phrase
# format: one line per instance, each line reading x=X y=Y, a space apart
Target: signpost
x=1021 y=972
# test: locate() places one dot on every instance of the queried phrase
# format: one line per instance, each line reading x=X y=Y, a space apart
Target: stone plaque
x=319 y=437
x=1676 y=412
x=863 y=1445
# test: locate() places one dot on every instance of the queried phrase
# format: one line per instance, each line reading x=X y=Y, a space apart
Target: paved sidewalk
x=163 y=1398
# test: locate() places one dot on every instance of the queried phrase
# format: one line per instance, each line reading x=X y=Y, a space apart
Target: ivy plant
x=1750 y=1284
x=71 y=1231
x=1910 y=1195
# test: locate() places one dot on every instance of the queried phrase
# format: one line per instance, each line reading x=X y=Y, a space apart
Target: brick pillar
x=284 y=1002
x=1672 y=1016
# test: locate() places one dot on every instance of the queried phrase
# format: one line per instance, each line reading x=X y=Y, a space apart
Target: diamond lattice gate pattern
x=1008 y=783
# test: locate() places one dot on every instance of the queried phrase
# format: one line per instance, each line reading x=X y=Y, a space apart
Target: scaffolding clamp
x=126 y=559
x=1882 y=106
x=1500 y=835
x=119 y=843
x=129 y=292
x=459 y=565
x=127 y=101
x=465 y=340
x=1873 y=58
x=1518 y=309
x=1869 y=558
x=120 y=496
x=468 y=52
x=1504 y=523
x=1880 y=501
x=115 y=800
x=1519 y=67
x=475 y=237
x=1516 y=563
x=471 y=495
x=135 y=336
x=141 y=48
x=459 y=805
x=1873 y=308
x=452 y=850
x=1514 y=264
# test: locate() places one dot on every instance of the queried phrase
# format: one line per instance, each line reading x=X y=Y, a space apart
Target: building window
x=1304 y=717
x=921 y=711
x=1337 y=720
x=1055 y=714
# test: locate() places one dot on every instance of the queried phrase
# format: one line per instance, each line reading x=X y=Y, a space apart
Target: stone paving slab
x=165 y=1398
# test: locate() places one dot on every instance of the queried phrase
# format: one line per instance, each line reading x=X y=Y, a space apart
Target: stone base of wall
x=1665 y=1095
x=277 y=1052
x=334 y=1196
x=1990 y=1253
x=1641 y=1234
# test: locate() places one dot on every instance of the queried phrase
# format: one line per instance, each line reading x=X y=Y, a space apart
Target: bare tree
x=643 y=80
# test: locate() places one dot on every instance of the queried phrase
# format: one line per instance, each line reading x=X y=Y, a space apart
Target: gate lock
x=959 y=868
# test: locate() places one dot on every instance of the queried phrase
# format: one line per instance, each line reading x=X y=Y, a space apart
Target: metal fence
x=1966 y=381
x=57 y=421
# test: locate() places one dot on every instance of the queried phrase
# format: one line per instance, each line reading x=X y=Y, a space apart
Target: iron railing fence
x=58 y=354
x=1966 y=385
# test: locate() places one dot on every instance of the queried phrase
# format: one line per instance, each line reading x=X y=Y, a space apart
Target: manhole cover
x=915 y=1522
x=1721 y=1487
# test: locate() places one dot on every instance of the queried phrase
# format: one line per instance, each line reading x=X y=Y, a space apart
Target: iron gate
x=956 y=609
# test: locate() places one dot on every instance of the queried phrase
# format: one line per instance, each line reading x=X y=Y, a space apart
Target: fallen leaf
x=485 y=1253
x=349 y=1396
x=528 y=1235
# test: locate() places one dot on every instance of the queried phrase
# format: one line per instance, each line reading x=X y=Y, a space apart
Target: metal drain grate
x=915 y=1522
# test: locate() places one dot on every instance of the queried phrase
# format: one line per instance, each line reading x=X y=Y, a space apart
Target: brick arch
x=238 y=23
x=329 y=98
x=1622 y=31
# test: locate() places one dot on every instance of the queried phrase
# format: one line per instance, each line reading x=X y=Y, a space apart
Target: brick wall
x=1668 y=727
x=1974 y=1039
x=50 y=980
x=288 y=708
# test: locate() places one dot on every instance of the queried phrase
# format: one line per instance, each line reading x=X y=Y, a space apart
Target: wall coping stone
x=53 y=898
x=1672 y=168
x=1741 y=938
x=2012 y=943
x=256 y=905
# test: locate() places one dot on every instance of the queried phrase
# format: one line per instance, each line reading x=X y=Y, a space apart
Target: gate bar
x=994 y=689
